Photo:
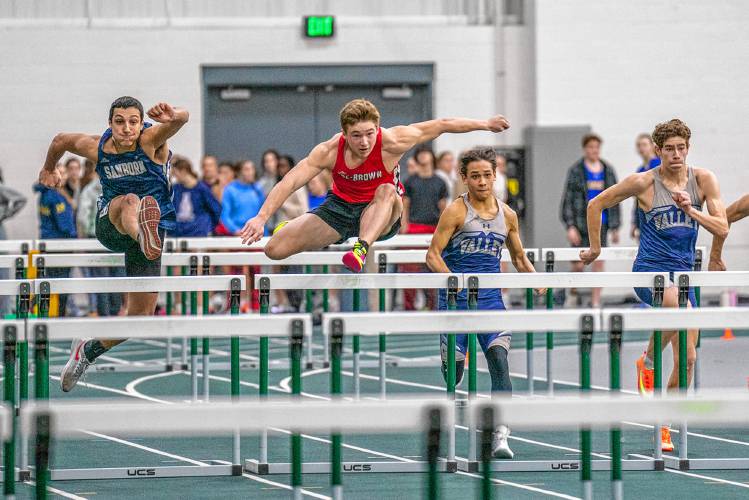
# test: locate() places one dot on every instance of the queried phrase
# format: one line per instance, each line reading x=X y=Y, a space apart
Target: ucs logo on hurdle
x=565 y=466
x=141 y=472
x=357 y=467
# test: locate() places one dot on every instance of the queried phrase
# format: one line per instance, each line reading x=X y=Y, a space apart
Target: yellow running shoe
x=355 y=259
x=645 y=377
x=279 y=226
x=666 y=443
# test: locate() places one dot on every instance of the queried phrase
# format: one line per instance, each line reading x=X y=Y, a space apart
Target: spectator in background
x=73 y=185
x=242 y=198
x=226 y=174
x=586 y=178
x=198 y=211
x=424 y=200
x=101 y=304
x=317 y=189
x=500 y=182
x=209 y=170
x=646 y=150
x=446 y=170
x=89 y=174
x=269 y=173
x=298 y=203
x=56 y=220
x=412 y=166
x=268 y=179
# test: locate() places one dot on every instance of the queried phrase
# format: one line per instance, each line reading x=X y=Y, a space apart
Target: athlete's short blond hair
x=672 y=128
x=358 y=110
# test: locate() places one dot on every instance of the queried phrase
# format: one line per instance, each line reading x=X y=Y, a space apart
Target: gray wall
x=551 y=151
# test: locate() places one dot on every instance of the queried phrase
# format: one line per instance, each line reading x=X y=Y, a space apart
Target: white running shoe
x=75 y=367
x=500 y=447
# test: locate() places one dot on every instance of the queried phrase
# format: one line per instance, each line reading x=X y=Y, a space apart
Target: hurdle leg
x=452 y=297
x=529 y=369
x=10 y=335
x=487 y=429
x=586 y=345
x=295 y=357
x=264 y=296
x=434 y=429
x=169 y=312
x=325 y=308
x=549 y=348
x=473 y=290
x=206 y=340
x=615 y=346
x=383 y=352
x=658 y=290
x=683 y=382
x=23 y=396
x=336 y=348
x=183 y=301
x=696 y=373
x=309 y=307
x=234 y=301
x=356 y=348
x=43 y=439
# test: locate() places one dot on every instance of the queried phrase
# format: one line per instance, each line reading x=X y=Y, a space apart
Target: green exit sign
x=319 y=26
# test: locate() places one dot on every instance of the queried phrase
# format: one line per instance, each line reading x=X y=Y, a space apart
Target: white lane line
x=109 y=389
x=57 y=491
x=522 y=486
x=275 y=484
x=147 y=448
x=699 y=476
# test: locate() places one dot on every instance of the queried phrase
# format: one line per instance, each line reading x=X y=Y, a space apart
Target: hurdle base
x=672 y=462
x=21 y=475
x=143 y=472
x=254 y=467
x=554 y=465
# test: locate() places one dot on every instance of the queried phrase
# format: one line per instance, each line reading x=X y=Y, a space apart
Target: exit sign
x=319 y=26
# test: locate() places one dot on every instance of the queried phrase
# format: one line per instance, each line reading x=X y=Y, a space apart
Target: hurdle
x=16 y=246
x=234 y=326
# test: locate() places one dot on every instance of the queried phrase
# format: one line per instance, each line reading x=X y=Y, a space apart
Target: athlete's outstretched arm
x=449 y=222
x=515 y=245
x=169 y=120
x=735 y=212
x=715 y=220
x=318 y=160
x=631 y=186
x=398 y=140
x=80 y=144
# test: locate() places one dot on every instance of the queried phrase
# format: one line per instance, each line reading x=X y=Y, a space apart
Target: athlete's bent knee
x=385 y=192
x=275 y=249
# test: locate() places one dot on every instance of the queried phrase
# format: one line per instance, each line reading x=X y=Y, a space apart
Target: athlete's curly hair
x=477 y=154
x=672 y=128
x=358 y=110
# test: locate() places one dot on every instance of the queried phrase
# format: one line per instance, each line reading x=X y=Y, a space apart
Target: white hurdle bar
x=76 y=245
x=608 y=254
x=235 y=243
x=419 y=256
x=724 y=279
x=137 y=284
x=669 y=319
x=16 y=246
x=52 y=330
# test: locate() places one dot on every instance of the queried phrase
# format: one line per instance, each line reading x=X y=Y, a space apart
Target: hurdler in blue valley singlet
x=667 y=234
x=476 y=248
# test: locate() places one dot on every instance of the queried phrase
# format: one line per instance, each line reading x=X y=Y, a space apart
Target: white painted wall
x=55 y=79
x=625 y=66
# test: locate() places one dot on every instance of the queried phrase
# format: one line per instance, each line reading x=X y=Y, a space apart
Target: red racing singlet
x=358 y=185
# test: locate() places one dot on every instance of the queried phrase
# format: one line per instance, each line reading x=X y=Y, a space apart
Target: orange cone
x=728 y=334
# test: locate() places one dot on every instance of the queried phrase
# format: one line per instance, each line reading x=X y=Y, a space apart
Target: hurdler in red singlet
x=365 y=200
